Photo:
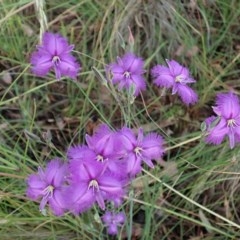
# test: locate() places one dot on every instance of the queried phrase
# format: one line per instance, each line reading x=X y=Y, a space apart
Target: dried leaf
x=192 y=51
x=60 y=123
x=31 y=136
x=27 y=30
x=6 y=77
x=47 y=136
x=170 y=169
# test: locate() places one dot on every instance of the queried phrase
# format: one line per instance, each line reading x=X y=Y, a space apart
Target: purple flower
x=227 y=121
x=49 y=185
x=80 y=154
x=113 y=221
x=106 y=144
x=54 y=53
x=177 y=77
x=90 y=183
x=127 y=72
x=141 y=148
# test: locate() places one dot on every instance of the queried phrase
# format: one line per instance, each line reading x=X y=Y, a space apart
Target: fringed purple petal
x=187 y=95
x=231 y=136
x=58 y=203
x=54 y=43
x=68 y=66
x=111 y=185
x=175 y=68
x=139 y=83
x=107 y=217
x=217 y=133
x=152 y=146
x=55 y=172
x=80 y=154
x=228 y=105
x=80 y=198
x=120 y=218
x=133 y=164
x=35 y=186
x=41 y=63
x=163 y=76
x=112 y=229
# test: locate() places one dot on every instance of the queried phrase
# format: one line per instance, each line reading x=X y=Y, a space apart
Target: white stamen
x=94 y=185
x=180 y=78
x=231 y=123
x=127 y=74
x=100 y=158
x=138 y=150
x=48 y=191
x=56 y=60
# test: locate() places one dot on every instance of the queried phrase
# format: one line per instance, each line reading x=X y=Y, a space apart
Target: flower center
x=231 y=123
x=94 y=185
x=48 y=191
x=100 y=158
x=56 y=60
x=138 y=151
x=127 y=74
x=180 y=78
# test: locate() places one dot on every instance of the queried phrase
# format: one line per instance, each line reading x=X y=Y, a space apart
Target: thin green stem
x=184 y=142
x=174 y=213
x=192 y=201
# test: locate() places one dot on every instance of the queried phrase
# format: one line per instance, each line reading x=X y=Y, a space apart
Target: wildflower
x=112 y=221
x=177 y=77
x=127 y=73
x=141 y=148
x=227 y=121
x=80 y=154
x=104 y=142
x=49 y=185
x=90 y=183
x=106 y=145
x=54 y=53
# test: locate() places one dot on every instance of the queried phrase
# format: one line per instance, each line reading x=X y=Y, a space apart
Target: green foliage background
x=195 y=193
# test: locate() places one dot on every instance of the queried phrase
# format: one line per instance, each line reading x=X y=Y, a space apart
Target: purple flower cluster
x=177 y=77
x=54 y=53
x=227 y=121
x=100 y=171
x=127 y=72
x=97 y=172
